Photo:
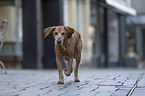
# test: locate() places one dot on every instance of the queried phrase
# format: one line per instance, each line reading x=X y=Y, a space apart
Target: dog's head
x=60 y=33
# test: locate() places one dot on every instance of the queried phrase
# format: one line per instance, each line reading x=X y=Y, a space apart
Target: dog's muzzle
x=58 y=41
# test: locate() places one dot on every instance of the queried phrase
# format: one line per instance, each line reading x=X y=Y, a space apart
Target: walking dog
x=68 y=43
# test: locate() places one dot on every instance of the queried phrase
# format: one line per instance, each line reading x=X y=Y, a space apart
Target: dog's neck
x=61 y=47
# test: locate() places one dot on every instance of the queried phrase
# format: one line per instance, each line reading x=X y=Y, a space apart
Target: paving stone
x=111 y=83
x=141 y=83
x=139 y=92
x=121 y=92
x=94 y=82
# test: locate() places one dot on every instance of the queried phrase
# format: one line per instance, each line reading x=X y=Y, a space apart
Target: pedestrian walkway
x=94 y=82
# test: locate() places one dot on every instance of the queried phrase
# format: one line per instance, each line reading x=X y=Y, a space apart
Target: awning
x=121 y=7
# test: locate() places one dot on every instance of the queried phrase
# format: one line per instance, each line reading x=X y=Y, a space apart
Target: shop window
x=12 y=48
x=95 y=29
x=113 y=37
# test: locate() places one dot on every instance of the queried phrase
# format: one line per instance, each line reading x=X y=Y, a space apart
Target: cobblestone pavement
x=94 y=82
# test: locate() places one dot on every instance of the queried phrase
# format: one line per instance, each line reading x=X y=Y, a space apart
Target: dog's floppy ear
x=48 y=30
x=69 y=31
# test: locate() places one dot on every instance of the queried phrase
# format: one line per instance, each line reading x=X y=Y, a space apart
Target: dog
x=68 y=43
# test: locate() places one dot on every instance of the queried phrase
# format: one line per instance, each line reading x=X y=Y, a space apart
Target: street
x=93 y=82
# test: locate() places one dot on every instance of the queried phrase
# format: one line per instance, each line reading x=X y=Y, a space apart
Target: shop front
x=109 y=22
x=101 y=23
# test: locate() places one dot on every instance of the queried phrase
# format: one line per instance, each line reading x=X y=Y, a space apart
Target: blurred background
x=113 y=32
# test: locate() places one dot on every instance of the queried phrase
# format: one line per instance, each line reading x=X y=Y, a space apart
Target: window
x=113 y=37
x=12 y=48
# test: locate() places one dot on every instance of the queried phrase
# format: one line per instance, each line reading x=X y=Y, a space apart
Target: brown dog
x=68 y=44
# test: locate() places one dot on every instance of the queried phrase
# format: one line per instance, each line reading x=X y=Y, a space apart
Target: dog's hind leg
x=76 y=69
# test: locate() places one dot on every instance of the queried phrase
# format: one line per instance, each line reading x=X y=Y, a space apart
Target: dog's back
x=74 y=45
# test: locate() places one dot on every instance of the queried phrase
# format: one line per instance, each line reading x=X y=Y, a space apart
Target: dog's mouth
x=59 y=42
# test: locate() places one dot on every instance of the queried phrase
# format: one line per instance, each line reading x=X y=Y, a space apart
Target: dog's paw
x=67 y=69
x=77 y=80
x=60 y=82
x=67 y=73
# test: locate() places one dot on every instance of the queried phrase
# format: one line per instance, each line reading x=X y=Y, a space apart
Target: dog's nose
x=58 y=41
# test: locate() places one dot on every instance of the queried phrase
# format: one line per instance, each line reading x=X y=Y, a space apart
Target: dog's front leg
x=59 y=67
x=68 y=71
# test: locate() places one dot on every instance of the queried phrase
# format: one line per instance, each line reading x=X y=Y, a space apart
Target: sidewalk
x=94 y=82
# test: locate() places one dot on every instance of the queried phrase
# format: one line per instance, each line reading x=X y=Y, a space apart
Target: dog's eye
x=62 y=33
x=56 y=33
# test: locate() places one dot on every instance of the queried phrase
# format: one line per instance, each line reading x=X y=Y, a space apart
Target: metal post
x=106 y=36
x=122 y=39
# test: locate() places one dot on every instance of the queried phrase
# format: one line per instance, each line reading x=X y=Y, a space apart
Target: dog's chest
x=63 y=52
x=66 y=52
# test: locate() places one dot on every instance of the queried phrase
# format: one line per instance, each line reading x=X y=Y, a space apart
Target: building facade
x=136 y=30
x=110 y=28
x=101 y=24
